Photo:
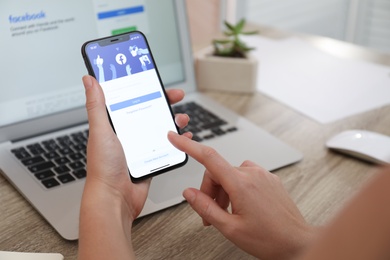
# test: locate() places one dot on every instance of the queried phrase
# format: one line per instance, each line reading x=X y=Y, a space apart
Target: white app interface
x=136 y=104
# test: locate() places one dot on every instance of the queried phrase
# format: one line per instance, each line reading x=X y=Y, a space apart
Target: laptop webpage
x=44 y=69
x=41 y=41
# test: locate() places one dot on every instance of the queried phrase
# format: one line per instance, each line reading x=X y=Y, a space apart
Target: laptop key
x=62 y=169
x=79 y=137
x=51 y=155
x=50 y=145
x=231 y=129
x=65 y=141
x=76 y=156
x=80 y=147
x=213 y=124
x=44 y=174
x=33 y=160
x=76 y=165
x=65 y=178
x=65 y=151
x=61 y=160
x=206 y=137
x=192 y=129
x=18 y=150
x=197 y=138
x=41 y=166
x=218 y=131
x=35 y=149
x=21 y=153
x=80 y=173
x=50 y=183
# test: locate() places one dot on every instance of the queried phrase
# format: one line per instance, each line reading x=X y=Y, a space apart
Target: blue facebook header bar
x=120 y=12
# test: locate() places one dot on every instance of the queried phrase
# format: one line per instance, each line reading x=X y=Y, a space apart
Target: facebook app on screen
x=136 y=103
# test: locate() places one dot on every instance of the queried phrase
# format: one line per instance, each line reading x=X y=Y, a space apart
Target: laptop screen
x=41 y=64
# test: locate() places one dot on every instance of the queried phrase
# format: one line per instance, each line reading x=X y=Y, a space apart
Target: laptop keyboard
x=203 y=123
x=62 y=160
x=56 y=161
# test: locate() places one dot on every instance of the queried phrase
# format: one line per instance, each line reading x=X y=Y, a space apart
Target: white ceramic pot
x=225 y=74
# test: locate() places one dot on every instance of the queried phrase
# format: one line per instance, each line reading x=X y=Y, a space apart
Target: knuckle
x=206 y=210
x=230 y=231
x=91 y=104
x=209 y=152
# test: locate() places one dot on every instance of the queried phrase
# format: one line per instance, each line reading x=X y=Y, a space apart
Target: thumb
x=206 y=208
x=95 y=104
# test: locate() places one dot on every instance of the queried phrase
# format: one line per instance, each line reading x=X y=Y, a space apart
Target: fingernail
x=189 y=195
x=171 y=133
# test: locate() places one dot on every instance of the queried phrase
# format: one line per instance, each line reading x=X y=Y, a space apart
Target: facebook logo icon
x=121 y=59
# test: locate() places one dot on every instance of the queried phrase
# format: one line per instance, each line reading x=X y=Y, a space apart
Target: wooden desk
x=319 y=184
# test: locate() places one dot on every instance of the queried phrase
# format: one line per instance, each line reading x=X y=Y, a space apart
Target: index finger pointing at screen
x=222 y=171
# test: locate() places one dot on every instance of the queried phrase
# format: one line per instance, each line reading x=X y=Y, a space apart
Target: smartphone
x=136 y=102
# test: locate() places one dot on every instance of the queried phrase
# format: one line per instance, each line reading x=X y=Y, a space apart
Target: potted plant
x=227 y=65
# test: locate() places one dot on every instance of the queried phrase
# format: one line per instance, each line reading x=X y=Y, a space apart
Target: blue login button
x=135 y=101
x=120 y=12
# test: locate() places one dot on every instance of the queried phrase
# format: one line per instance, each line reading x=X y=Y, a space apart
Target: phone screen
x=136 y=102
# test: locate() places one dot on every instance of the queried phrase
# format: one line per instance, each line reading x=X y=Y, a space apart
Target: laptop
x=43 y=122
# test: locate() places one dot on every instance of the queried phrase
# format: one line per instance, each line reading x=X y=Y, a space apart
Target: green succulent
x=232 y=46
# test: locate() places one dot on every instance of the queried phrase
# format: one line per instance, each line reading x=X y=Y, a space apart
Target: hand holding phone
x=136 y=102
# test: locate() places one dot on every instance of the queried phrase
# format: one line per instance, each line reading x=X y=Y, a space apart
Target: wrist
x=102 y=199
x=104 y=219
x=303 y=241
x=290 y=244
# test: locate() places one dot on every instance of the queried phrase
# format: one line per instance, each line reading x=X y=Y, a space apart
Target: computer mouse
x=370 y=146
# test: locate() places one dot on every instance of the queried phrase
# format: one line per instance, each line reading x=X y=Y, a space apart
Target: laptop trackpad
x=162 y=191
x=170 y=185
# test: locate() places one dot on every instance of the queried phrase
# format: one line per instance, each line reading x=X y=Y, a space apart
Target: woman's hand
x=110 y=200
x=263 y=221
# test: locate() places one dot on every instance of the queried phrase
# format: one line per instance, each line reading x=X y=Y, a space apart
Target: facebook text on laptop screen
x=41 y=64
